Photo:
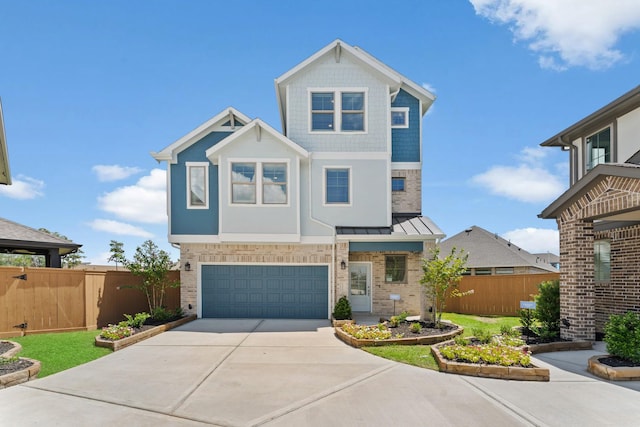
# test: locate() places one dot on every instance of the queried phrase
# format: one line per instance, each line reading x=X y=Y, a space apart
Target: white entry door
x=360 y=286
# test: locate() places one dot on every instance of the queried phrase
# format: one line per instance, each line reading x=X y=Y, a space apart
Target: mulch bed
x=5 y=346
x=427 y=329
x=14 y=365
x=618 y=362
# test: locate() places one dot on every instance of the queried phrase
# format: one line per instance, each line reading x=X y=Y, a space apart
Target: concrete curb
x=126 y=342
x=560 y=346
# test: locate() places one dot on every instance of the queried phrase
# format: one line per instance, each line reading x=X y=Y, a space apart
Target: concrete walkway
x=296 y=373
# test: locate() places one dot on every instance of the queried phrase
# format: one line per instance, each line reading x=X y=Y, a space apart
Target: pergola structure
x=22 y=240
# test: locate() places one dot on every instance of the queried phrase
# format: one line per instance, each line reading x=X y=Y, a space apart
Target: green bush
x=416 y=328
x=547 y=310
x=342 y=309
x=482 y=335
x=161 y=314
x=622 y=335
x=527 y=321
x=138 y=320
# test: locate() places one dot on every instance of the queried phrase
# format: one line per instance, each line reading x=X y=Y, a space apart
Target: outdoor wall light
x=187 y=266
x=343 y=265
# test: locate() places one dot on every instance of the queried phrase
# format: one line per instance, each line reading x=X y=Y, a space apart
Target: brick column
x=577 y=290
x=341 y=276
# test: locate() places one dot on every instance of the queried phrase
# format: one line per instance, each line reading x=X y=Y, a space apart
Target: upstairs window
x=599 y=148
x=322 y=109
x=397 y=184
x=197 y=179
x=399 y=117
x=337 y=186
x=602 y=261
x=274 y=183
x=338 y=111
x=352 y=111
x=395 y=268
x=243 y=183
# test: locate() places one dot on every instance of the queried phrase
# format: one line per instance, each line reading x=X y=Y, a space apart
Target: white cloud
x=120 y=228
x=23 y=188
x=108 y=173
x=535 y=240
x=566 y=33
x=528 y=181
x=429 y=87
x=101 y=259
x=144 y=202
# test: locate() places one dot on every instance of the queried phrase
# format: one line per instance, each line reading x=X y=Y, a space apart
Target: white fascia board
x=351 y=155
x=405 y=165
x=194 y=238
x=388 y=237
x=170 y=153
x=259 y=238
x=213 y=152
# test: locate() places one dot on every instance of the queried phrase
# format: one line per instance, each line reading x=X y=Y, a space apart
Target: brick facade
x=409 y=200
x=586 y=305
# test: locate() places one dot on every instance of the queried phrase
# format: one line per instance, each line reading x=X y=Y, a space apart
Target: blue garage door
x=274 y=292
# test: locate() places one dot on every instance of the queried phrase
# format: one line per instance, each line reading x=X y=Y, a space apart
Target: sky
x=89 y=89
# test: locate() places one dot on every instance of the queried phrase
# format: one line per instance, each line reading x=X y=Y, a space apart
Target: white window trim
x=188 y=166
x=258 y=183
x=324 y=187
x=337 y=110
x=404 y=110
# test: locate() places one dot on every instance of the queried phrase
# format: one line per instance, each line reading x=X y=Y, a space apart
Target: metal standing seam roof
x=401 y=225
x=17 y=236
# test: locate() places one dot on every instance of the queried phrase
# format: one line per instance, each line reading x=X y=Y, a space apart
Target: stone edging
x=489 y=371
x=140 y=336
x=560 y=346
x=423 y=340
x=613 y=373
x=23 y=375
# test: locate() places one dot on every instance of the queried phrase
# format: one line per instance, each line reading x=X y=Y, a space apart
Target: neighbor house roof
x=20 y=239
x=406 y=226
x=605 y=115
x=395 y=80
x=487 y=249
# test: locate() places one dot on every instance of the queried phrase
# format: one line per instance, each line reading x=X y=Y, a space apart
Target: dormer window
x=598 y=148
x=341 y=111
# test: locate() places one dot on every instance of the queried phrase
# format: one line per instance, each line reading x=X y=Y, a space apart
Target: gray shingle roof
x=14 y=236
x=487 y=249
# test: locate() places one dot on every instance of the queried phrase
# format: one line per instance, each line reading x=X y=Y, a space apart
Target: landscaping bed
x=15 y=370
x=614 y=368
x=147 y=331
x=385 y=335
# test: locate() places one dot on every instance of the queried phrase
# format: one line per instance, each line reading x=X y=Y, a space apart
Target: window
x=243 y=183
x=274 y=183
x=337 y=186
x=197 y=179
x=397 y=184
x=352 y=111
x=322 y=107
x=601 y=260
x=395 y=269
x=483 y=271
x=599 y=148
x=504 y=270
x=338 y=111
x=399 y=117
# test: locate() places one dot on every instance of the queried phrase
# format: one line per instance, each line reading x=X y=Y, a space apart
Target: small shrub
x=7 y=360
x=178 y=312
x=342 y=309
x=482 y=335
x=527 y=320
x=547 y=310
x=415 y=327
x=403 y=316
x=161 y=314
x=116 y=332
x=138 y=320
x=460 y=340
x=508 y=331
x=622 y=335
x=394 y=321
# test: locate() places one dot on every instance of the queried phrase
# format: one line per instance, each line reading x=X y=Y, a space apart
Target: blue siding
x=385 y=246
x=195 y=221
x=405 y=143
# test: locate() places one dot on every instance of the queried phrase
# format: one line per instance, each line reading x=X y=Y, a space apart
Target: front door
x=360 y=286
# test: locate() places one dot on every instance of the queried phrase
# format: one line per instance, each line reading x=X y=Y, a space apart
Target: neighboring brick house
x=281 y=225
x=490 y=254
x=599 y=217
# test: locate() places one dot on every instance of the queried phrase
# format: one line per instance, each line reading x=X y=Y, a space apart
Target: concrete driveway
x=296 y=373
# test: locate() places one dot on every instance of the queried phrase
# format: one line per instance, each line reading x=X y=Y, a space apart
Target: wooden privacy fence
x=54 y=299
x=497 y=295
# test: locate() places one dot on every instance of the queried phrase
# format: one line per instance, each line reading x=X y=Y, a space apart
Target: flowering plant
x=116 y=332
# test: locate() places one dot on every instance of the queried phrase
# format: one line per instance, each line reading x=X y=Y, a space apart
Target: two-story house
x=281 y=224
x=598 y=217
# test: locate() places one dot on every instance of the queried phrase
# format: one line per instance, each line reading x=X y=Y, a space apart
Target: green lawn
x=420 y=355
x=60 y=351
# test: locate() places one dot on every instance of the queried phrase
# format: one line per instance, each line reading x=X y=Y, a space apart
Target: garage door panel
x=255 y=291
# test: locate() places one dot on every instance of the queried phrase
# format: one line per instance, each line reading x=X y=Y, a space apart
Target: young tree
x=117 y=252
x=442 y=274
x=152 y=265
